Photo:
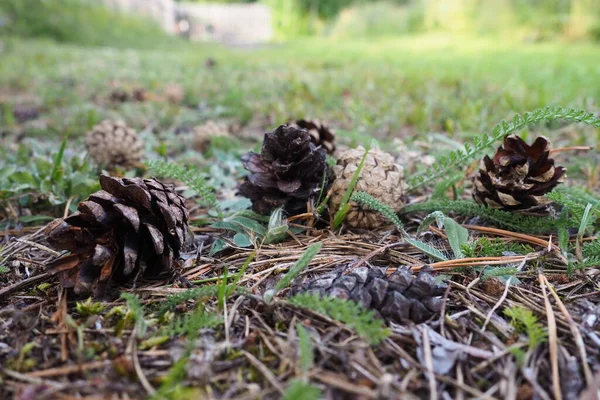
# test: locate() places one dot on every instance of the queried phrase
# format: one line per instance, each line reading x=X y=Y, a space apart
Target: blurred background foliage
x=86 y=22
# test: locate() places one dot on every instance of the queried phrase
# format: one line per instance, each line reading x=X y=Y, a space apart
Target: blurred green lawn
x=406 y=86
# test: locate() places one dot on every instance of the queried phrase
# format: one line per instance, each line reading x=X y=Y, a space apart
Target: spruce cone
x=380 y=177
x=399 y=297
x=518 y=176
x=112 y=144
x=320 y=133
x=130 y=227
x=289 y=171
x=203 y=134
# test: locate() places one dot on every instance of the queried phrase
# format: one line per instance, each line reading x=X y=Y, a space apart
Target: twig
x=429 y=365
x=264 y=370
x=589 y=378
x=552 y=338
x=502 y=298
x=25 y=283
x=136 y=364
x=69 y=369
x=31 y=379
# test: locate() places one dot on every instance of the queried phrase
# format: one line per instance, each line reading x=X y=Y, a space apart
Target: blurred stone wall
x=234 y=23
x=163 y=11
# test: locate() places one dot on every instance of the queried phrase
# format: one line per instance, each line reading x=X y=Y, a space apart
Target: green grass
x=427 y=84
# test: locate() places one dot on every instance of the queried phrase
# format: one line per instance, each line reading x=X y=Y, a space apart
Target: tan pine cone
x=203 y=134
x=381 y=177
x=113 y=144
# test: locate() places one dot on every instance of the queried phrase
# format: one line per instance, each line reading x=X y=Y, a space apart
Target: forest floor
x=520 y=315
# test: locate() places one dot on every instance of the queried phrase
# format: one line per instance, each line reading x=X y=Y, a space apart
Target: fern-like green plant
x=362 y=321
x=460 y=158
x=503 y=219
x=525 y=321
x=188 y=176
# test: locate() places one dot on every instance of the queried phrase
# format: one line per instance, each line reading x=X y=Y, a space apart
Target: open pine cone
x=319 y=131
x=113 y=144
x=518 y=176
x=130 y=227
x=289 y=171
x=399 y=297
x=380 y=176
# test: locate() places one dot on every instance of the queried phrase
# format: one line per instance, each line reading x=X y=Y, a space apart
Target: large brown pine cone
x=320 y=133
x=380 y=176
x=130 y=227
x=113 y=144
x=518 y=176
x=289 y=172
x=399 y=297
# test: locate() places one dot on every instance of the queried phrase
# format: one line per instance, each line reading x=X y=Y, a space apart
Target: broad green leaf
x=242 y=240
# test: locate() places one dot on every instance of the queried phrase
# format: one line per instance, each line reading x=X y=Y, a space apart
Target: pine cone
x=380 y=177
x=112 y=144
x=23 y=112
x=320 y=133
x=174 y=93
x=399 y=297
x=130 y=227
x=518 y=176
x=124 y=95
x=289 y=171
x=203 y=134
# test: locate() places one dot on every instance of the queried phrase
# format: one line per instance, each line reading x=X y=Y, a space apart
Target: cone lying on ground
x=319 y=131
x=289 y=172
x=130 y=227
x=399 y=297
x=113 y=144
x=122 y=95
x=380 y=177
x=518 y=176
x=205 y=133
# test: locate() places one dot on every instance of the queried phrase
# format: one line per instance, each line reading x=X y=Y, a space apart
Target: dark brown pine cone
x=518 y=176
x=24 y=113
x=320 y=133
x=399 y=297
x=289 y=172
x=130 y=227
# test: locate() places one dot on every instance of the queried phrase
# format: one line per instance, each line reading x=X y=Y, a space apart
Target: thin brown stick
x=552 y=339
x=520 y=236
x=69 y=369
x=429 y=365
x=589 y=378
